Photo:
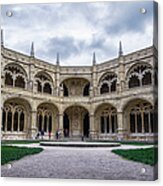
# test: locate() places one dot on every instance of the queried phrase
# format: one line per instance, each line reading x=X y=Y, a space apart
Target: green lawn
x=19 y=141
x=147 y=156
x=9 y=153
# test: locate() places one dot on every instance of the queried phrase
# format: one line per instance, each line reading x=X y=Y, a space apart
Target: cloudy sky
x=76 y=30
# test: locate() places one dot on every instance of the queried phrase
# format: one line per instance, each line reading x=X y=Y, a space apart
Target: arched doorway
x=47 y=118
x=86 y=126
x=66 y=127
x=140 y=118
x=106 y=121
x=76 y=122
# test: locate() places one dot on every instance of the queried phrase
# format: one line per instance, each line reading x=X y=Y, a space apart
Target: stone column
x=105 y=125
x=33 y=124
x=47 y=124
x=121 y=74
x=142 y=117
x=18 y=129
x=6 y=121
x=57 y=77
x=60 y=125
x=121 y=130
x=12 y=122
x=34 y=87
x=92 y=133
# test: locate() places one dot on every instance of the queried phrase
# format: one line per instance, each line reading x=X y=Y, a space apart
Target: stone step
x=79 y=144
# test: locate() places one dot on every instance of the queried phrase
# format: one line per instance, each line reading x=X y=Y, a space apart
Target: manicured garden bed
x=9 y=153
x=147 y=156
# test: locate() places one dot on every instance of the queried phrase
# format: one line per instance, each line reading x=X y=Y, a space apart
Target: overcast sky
x=76 y=30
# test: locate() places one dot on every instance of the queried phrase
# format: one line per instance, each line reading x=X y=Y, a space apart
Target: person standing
x=57 y=135
x=42 y=134
x=49 y=135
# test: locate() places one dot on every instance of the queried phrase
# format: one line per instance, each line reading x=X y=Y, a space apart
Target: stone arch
x=14 y=66
x=139 y=74
x=16 y=117
x=75 y=86
x=108 y=83
x=47 y=117
x=76 y=121
x=15 y=75
x=86 y=89
x=139 y=117
x=106 y=120
x=44 y=82
x=77 y=104
x=72 y=77
x=127 y=101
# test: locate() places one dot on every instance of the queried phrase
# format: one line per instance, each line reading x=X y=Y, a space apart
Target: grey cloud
x=129 y=18
x=66 y=46
x=36 y=18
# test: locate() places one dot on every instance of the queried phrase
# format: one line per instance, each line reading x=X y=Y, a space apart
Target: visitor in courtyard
x=57 y=134
x=37 y=135
x=49 y=135
x=42 y=134
x=66 y=133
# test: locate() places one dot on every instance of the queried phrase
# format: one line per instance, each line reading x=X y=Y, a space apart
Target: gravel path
x=78 y=163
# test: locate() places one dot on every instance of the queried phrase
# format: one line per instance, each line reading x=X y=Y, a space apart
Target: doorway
x=86 y=126
x=66 y=125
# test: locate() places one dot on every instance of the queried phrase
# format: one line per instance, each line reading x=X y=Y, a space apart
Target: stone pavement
x=78 y=163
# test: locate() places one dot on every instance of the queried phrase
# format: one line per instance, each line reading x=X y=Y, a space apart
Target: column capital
x=60 y=114
x=91 y=115
x=33 y=111
x=120 y=112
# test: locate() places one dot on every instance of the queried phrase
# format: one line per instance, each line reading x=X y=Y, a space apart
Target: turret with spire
x=120 y=49
x=94 y=58
x=32 y=52
x=121 y=70
x=57 y=60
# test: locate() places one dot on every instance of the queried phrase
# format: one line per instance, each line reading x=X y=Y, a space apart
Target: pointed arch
x=44 y=82
x=139 y=75
x=108 y=83
x=17 y=115
x=15 y=75
x=106 y=119
x=47 y=117
x=140 y=116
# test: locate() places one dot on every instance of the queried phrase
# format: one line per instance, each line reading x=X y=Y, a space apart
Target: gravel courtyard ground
x=78 y=163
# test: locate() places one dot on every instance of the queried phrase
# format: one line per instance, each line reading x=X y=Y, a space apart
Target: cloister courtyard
x=79 y=163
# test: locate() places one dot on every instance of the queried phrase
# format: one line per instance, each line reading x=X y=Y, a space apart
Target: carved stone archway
x=106 y=121
x=77 y=122
x=140 y=118
x=47 y=118
x=16 y=119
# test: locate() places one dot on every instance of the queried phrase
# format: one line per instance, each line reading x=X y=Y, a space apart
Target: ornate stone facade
x=114 y=100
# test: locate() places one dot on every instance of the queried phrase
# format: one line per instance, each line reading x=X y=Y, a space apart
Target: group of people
x=40 y=135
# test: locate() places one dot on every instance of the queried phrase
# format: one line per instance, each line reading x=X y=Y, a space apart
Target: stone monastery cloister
x=113 y=100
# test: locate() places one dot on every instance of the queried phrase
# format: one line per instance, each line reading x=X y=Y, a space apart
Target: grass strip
x=19 y=141
x=9 y=153
x=147 y=156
